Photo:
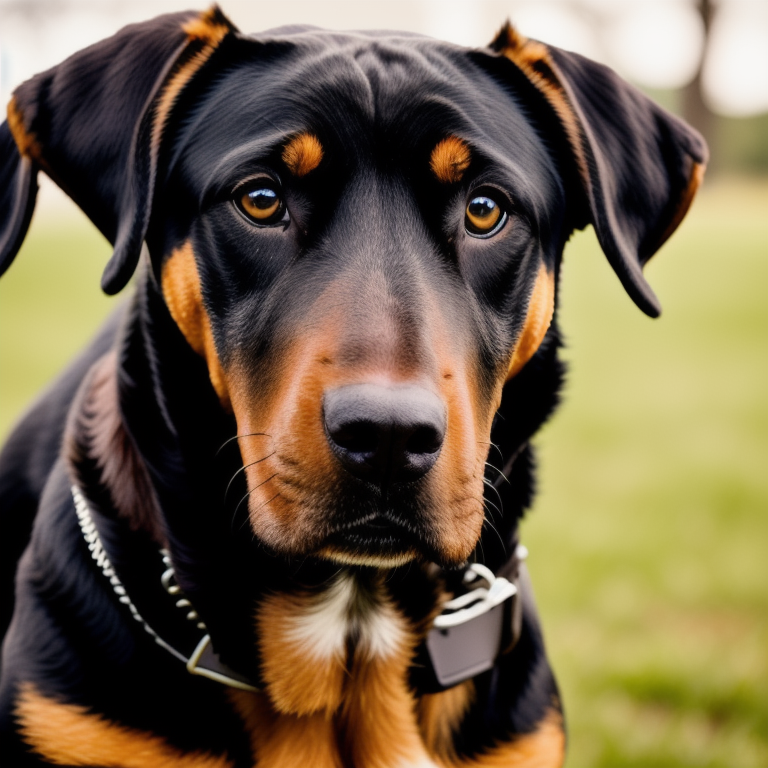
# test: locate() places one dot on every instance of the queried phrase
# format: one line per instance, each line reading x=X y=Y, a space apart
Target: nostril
x=356 y=437
x=424 y=439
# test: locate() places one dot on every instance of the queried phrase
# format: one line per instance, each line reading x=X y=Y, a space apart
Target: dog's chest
x=315 y=646
x=335 y=669
x=346 y=618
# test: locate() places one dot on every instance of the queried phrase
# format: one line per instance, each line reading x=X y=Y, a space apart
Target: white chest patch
x=346 y=612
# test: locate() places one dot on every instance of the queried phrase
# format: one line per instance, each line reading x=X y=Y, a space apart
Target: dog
x=270 y=516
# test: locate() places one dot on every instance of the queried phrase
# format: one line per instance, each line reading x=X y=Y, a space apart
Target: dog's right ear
x=95 y=124
x=18 y=191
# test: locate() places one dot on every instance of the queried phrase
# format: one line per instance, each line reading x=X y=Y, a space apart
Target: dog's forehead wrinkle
x=386 y=117
x=357 y=80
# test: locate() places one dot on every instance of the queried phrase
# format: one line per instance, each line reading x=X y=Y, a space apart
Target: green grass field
x=649 y=538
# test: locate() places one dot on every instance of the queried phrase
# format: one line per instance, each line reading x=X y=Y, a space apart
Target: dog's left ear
x=95 y=125
x=639 y=165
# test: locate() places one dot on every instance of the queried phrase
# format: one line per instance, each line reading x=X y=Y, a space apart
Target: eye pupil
x=262 y=204
x=482 y=208
x=263 y=199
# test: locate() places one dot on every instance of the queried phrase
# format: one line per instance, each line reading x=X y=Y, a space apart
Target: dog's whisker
x=265 y=503
x=499 y=472
x=370 y=364
x=257 y=510
x=487 y=520
x=481 y=548
x=498 y=496
x=493 y=446
x=240 y=437
x=250 y=491
x=488 y=502
x=242 y=469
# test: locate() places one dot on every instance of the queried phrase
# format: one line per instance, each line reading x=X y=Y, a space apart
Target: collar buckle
x=476 y=627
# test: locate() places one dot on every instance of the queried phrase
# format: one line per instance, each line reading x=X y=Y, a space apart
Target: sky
x=653 y=43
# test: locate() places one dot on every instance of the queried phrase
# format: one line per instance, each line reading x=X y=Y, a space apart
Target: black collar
x=472 y=631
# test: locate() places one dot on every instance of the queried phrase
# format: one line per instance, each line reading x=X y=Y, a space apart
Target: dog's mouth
x=377 y=540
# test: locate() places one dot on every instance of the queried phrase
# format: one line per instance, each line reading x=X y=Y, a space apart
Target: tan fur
x=369 y=561
x=184 y=297
x=66 y=734
x=172 y=91
x=450 y=159
x=541 y=307
x=697 y=177
x=368 y=717
x=291 y=472
x=303 y=154
x=319 y=686
x=26 y=142
x=379 y=725
x=210 y=27
x=534 y=60
x=206 y=31
x=284 y=741
x=544 y=748
x=440 y=716
x=350 y=707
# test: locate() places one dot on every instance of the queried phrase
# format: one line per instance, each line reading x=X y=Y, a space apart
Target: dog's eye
x=261 y=202
x=484 y=216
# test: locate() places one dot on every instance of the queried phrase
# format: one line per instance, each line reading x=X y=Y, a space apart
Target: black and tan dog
x=240 y=524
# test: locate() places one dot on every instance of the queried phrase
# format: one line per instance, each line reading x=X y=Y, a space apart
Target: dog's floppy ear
x=18 y=191
x=639 y=165
x=95 y=123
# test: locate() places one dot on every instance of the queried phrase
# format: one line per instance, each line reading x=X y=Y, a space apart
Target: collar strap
x=467 y=637
x=202 y=660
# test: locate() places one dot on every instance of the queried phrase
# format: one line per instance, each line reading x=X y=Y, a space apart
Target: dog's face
x=369 y=227
x=360 y=234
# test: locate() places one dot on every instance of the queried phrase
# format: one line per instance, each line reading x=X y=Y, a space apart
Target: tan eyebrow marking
x=450 y=158
x=303 y=154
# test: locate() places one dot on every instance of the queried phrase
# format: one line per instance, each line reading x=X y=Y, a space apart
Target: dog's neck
x=165 y=423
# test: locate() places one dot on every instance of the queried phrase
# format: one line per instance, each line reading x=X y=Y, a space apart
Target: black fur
x=379 y=104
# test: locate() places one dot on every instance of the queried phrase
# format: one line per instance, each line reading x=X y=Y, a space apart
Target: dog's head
x=360 y=234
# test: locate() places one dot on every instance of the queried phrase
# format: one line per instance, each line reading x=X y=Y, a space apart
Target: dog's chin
x=367 y=559
x=374 y=542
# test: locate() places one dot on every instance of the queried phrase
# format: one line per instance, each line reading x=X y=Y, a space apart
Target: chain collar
x=202 y=661
x=466 y=639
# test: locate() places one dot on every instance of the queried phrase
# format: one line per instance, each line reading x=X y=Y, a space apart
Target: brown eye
x=262 y=203
x=484 y=216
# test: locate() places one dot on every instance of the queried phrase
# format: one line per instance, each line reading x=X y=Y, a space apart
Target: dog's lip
x=376 y=532
x=376 y=521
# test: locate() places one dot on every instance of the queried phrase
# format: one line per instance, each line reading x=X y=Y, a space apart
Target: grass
x=50 y=304
x=649 y=537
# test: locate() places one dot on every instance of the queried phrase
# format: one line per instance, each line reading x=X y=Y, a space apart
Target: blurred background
x=649 y=536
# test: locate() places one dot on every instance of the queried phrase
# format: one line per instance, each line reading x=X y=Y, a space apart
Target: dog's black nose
x=385 y=434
